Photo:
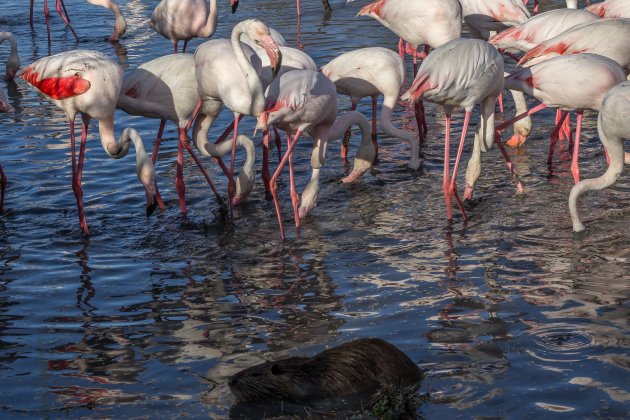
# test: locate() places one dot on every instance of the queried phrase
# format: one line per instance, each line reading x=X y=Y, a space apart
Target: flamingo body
x=541 y=28
x=483 y=16
x=607 y=37
x=611 y=8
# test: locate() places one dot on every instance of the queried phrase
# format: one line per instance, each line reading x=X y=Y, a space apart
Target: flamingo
x=226 y=75
x=13 y=61
x=607 y=37
x=462 y=73
x=485 y=16
x=613 y=126
x=573 y=82
x=88 y=82
x=166 y=88
x=303 y=100
x=527 y=35
x=372 y=72
x=120 y=24
x=611 y=8
x=186 y=19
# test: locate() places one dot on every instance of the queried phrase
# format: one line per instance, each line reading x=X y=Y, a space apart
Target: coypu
x=357 y=367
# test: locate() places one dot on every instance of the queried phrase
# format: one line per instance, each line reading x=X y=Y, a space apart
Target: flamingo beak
x=151 y=203
x=273 y=51
x=234 y=4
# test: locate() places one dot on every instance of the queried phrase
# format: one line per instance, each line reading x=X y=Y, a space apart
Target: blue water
x=511 y=315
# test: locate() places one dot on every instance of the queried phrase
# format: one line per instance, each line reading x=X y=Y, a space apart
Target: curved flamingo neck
x=13 y=62
x=253 y=81
x=211 y=24
x=121 y=24
x=388 y=128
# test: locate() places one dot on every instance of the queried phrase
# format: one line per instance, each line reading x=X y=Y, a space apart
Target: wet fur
x=359 y=366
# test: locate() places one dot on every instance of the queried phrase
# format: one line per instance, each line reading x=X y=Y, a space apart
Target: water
x=511 y=315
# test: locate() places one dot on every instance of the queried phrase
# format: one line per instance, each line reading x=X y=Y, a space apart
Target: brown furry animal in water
x=359 y=366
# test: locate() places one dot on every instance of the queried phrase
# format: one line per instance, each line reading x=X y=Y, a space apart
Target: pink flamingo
x=166 y=88
x=462 y=73
x=540 y=28
x=485 y=16
x=372 y=72
x=88 y=82
x=225 y=75
x=303 y=100
x=607 y=37
x=611 y=9
x=186 y=19
x=613 y=126
x=573 y=82
x=419 y=22
x=120 y=25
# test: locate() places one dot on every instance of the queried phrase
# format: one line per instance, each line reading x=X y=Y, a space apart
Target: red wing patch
x=57 y=87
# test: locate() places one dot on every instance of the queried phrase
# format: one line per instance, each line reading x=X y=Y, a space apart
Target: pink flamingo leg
x=175 y=46
x=452 y=188
x=299 y=13
x=3 y=187
x=179 y=178
x=278 y=143
x=535 y=7
x=186 y=144
x=47 y=16
x=295 y=198
x=231 y=185
x=65 y=11
x=511 y=121
x=415 y=61
x=65 y=19
x=555 y=136
x=30 y=20
x=421 y=122
x=401 y=43
x=77 y=173
x=501 y=102
x=508 y=161
x=575 y=169
x=374 y=103
x=154 y=155
x=447 y=168
x=264 y=173
x=565 y=132
x=274 y=179
x=185 y=45
x=346 y=138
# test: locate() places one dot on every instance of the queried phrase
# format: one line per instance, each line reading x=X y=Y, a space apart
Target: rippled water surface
x=511 y=315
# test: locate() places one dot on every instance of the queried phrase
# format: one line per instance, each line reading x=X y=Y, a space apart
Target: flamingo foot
x=517 y=140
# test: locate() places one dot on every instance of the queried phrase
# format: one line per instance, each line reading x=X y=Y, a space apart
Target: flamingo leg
x=346 y=137
x=295 y=197
x=264 y=173
x=374 y=104
x=183 y=138
x=420 y=120
x=447 y=168
x=47 y=16
x=274 y=179
x=185 y=45
x=179 y=178
x=65 y=19
x=508 y=161
x=565 y=132
x=154 y=155
x=278 y=143
x=501 y=102
x=535 y=7
x=401 y=43
x=415 y=61
x=65 y=11
x=175 y=46
x=231 y=185
x=555 y=136
x=77 y=173
x=452 y=188
x=298 y=9
x=30 y=20
x=575 y=169
x=511 y=121
x=3 y=187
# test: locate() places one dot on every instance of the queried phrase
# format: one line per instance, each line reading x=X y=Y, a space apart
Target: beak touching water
x=234 y=4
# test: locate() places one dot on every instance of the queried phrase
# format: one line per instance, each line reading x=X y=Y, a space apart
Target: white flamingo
x=88 y=82
x=166 y=89
x=372 y=72
x=613 y=126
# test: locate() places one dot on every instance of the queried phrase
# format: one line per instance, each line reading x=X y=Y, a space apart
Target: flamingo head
x=120 y=27
x=259 y=33
x=234 y=5
x=13 y=64
x=5 y=106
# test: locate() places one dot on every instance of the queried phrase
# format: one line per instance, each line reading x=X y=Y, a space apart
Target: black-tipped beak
x=234 y=6
x=151 y=206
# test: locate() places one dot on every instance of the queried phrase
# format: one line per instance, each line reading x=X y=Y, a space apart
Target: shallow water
x=511 y=315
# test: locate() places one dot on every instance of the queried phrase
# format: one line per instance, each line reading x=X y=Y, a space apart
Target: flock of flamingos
x=570 y=59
